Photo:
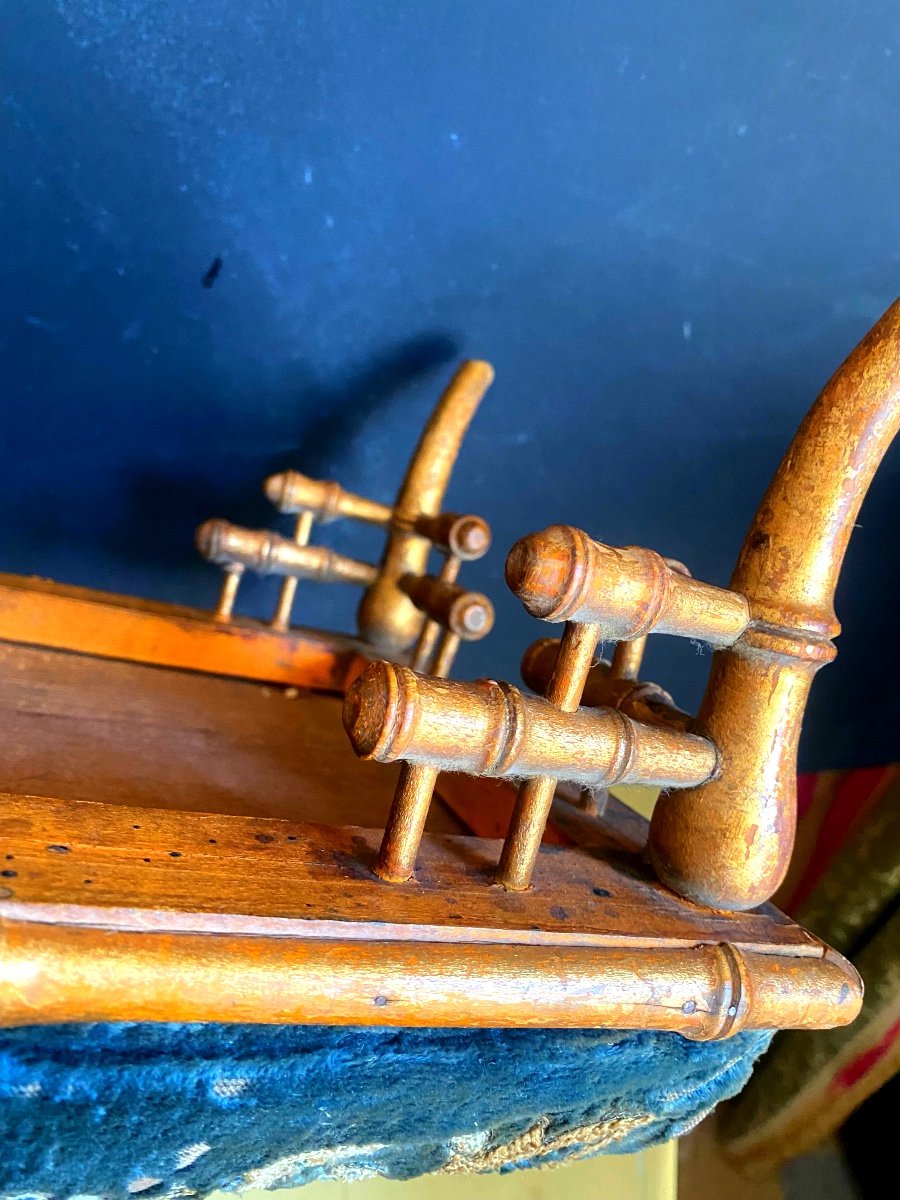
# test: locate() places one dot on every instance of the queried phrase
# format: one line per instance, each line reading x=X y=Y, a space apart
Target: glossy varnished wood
x=159 y=916
x=40 y=613
x=729 y=842
x=264 y=867
x=84 y=728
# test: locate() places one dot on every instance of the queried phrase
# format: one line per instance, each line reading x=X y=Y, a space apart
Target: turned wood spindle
x=561 y=574
x=288 y=590
x=393 y=714
x=293 y=492
x=457 y=614
x=529 y=819
x=230 y=584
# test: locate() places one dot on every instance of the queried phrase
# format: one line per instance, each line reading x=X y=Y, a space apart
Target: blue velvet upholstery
x=177 y=1110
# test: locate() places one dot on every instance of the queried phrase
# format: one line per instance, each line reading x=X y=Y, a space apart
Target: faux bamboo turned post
x=292 y=492
x=728 y=843
x=535 y=796
x=288 y=590
x=393 y=714
x=387 y=618
x=271 y=554
x=561 y=574
x=458 y=613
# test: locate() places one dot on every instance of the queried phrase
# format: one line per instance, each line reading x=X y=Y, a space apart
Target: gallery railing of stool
x=723 y=830
x=401 y=600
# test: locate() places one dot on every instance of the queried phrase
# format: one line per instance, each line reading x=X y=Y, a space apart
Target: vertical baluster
x=628 y=658
x=288 y=589
x=415 y=787
x=529 y=819
x=228 y=594
x=424 y=648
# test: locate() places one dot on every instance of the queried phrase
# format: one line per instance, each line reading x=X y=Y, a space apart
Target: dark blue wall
x=665 y=223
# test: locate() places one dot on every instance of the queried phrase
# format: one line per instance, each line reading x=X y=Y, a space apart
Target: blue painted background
x=665 y=224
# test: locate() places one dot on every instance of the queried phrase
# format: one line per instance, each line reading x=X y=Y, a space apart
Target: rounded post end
x=275 y=489
x=372 y=711
x=470 y=537
x=472 y=617
x=209 y=538
x=540 y=569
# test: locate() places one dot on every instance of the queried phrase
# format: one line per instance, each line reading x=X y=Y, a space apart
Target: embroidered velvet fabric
x=177 y=1110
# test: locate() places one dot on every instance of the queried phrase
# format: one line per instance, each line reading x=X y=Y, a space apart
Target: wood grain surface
x=83 y=728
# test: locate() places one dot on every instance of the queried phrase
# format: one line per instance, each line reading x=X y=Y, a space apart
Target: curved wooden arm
x=728 y=843
x=387 y=618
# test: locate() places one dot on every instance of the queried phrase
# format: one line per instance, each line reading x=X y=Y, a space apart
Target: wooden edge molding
x=39 y=612
x=116 y=913
x=55 y=973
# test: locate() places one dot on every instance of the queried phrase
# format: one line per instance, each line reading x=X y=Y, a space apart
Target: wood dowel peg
x=228 y=594
x=445 y=654
x=292 y=492
x=288 y=590
x=469 y=615
x=406 y=822
x=628 y=658
x=535 y=796
x=424 y=650
x=465 y=536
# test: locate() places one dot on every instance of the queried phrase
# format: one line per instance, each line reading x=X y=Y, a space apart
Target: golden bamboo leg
x=529 y=819
x=282 y=617
x=445 y=654
x=228 y=595
x=425 y=644
x=415 y=787
x=627 y=659
x=406 y=823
